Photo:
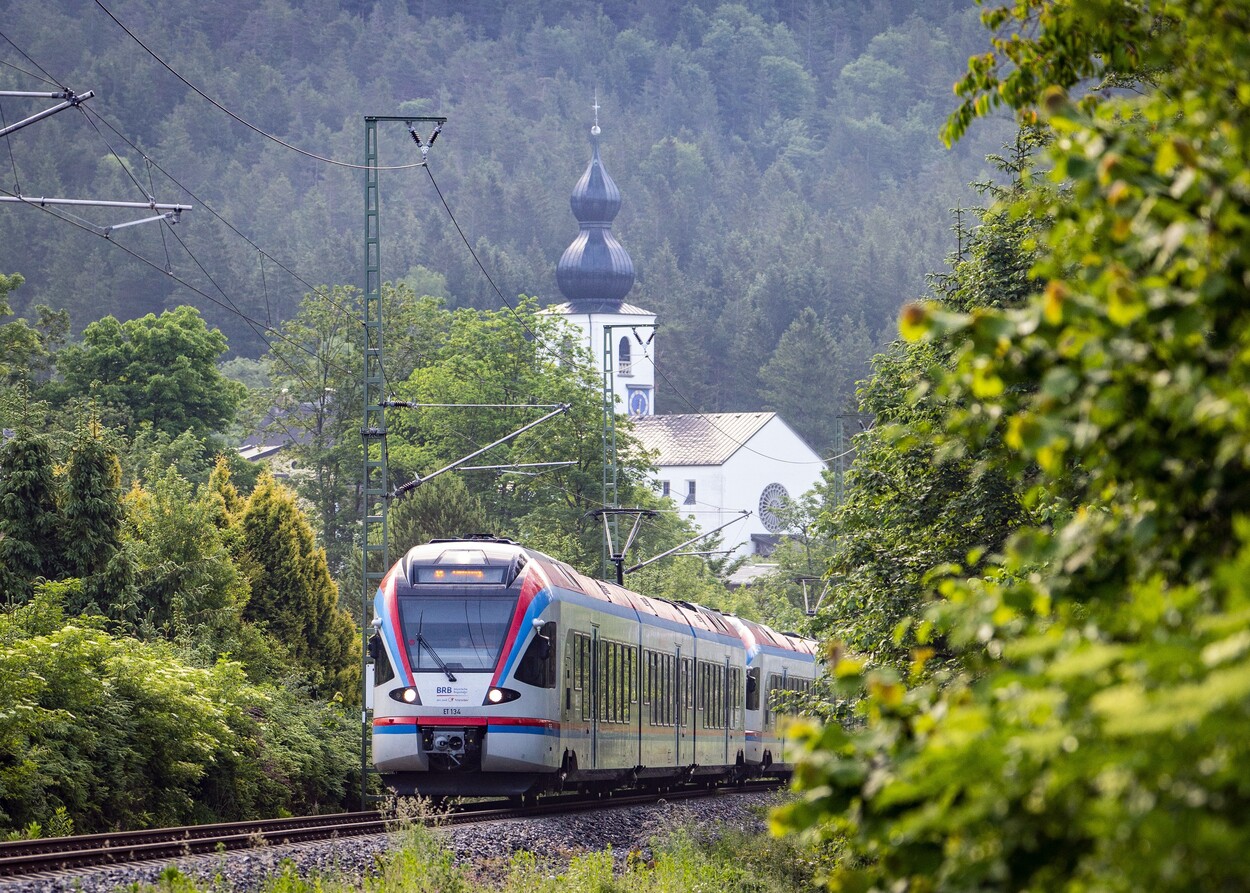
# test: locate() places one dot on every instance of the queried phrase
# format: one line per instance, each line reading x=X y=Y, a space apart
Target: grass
x=685 y=860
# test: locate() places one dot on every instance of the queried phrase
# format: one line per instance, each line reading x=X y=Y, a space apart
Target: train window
x=614 y=681
x=713 y=699
x=579 y=663
x=774 y=683
x=538 y=664
x=458 y=632
x=603 y=680
x=701 y=692
x=719 y=696
x=688 y=696
x=631 y=677
x=651 y=687
x=582 y=675
x=382 y=669
x=735 y=697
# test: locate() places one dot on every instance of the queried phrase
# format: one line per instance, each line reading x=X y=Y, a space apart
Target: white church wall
x=774 y=455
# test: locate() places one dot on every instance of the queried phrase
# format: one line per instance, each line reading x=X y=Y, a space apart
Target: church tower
x=595 y=275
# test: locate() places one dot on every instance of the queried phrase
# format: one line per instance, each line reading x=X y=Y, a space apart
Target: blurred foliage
x=1091 y=731
x=916 y=498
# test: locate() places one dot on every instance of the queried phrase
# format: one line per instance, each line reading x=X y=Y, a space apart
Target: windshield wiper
x=421 y=640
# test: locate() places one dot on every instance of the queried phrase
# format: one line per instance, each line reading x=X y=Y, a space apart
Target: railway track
x=58 y=855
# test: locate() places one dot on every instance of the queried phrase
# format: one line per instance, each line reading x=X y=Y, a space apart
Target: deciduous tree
x=157 y=369
x=1093 y=735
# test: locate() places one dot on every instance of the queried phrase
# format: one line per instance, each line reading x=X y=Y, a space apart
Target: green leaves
x=122 y=734
x=156 y=369
x=1090 y=733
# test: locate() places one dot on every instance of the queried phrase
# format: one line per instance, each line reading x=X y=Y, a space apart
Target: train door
x=726 y=707
x=595 y=694
x=782 y=731
x=679 y=709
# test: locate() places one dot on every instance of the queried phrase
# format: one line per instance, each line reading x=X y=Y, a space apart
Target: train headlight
x=407 y=695
x=495 y=695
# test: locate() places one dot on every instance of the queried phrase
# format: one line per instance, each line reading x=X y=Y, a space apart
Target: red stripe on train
x=465 y=721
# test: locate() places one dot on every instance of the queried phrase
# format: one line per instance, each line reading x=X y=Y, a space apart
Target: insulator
x=416 y=137
x=438 y=128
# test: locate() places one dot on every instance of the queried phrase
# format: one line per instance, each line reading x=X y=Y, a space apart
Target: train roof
x=758 y=634
x=489 y=551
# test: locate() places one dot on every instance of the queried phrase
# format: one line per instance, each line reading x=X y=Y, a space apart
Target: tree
x=1093 y=735
x=92 y=512
x=293 y=596
x=30 y=542
x=103 y=733
x=155 y=369
x=915 y=498
x=507 y=359
x=441 y=507
x=315 y=394
x=25 y=350
x=90 y=521
x=189 y=585
x=811 y=359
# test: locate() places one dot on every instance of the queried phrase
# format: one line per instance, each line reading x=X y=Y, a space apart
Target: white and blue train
x=499 y=670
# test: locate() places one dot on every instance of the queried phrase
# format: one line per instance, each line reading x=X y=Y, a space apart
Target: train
x=498 y=670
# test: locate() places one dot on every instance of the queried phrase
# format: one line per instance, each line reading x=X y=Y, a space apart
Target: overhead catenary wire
x=4 y=122
x=91 y=119
x=46 y=78
x=89 y=227
x=659 y=371
x=249 y=125
x=207 y=206
x=268 y=326
x=442 y=198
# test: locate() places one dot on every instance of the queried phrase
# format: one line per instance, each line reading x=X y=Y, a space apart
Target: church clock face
x=771 y=501
x=638 y=402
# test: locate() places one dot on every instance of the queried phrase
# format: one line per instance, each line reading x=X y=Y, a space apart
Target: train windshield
x=463 y=633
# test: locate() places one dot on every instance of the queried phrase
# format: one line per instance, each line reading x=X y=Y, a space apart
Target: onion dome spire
x=595 y=271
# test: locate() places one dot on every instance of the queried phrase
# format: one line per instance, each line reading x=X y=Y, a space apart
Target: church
x=723 y=470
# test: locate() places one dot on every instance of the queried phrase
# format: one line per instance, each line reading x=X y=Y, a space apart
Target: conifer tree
x=223 y=494
x=29 y=544
x=293 y=594
x=440 y=508
x=91 y=522
x=91 y=515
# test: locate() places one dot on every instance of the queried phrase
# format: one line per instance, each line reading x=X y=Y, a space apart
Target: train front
x=465 y=665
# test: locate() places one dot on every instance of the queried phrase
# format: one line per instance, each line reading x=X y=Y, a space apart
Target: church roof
x=703 y=439
x=595 y=268
x=570 y=309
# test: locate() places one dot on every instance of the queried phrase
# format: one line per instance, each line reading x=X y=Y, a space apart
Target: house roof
x=702 y=439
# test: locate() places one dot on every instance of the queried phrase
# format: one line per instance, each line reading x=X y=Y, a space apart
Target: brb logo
x=443 y=690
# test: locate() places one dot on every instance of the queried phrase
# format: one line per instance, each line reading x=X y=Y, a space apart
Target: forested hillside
x=774 y=157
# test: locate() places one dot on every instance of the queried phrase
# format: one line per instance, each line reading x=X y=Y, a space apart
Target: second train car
x=499 y=670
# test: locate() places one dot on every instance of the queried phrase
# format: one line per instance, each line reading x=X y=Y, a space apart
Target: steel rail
x=42 y=856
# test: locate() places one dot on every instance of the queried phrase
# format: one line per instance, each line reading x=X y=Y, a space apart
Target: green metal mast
x=375 y=494
x=609 y=447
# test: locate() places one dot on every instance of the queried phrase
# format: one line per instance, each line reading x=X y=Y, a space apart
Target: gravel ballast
x=484 y=849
